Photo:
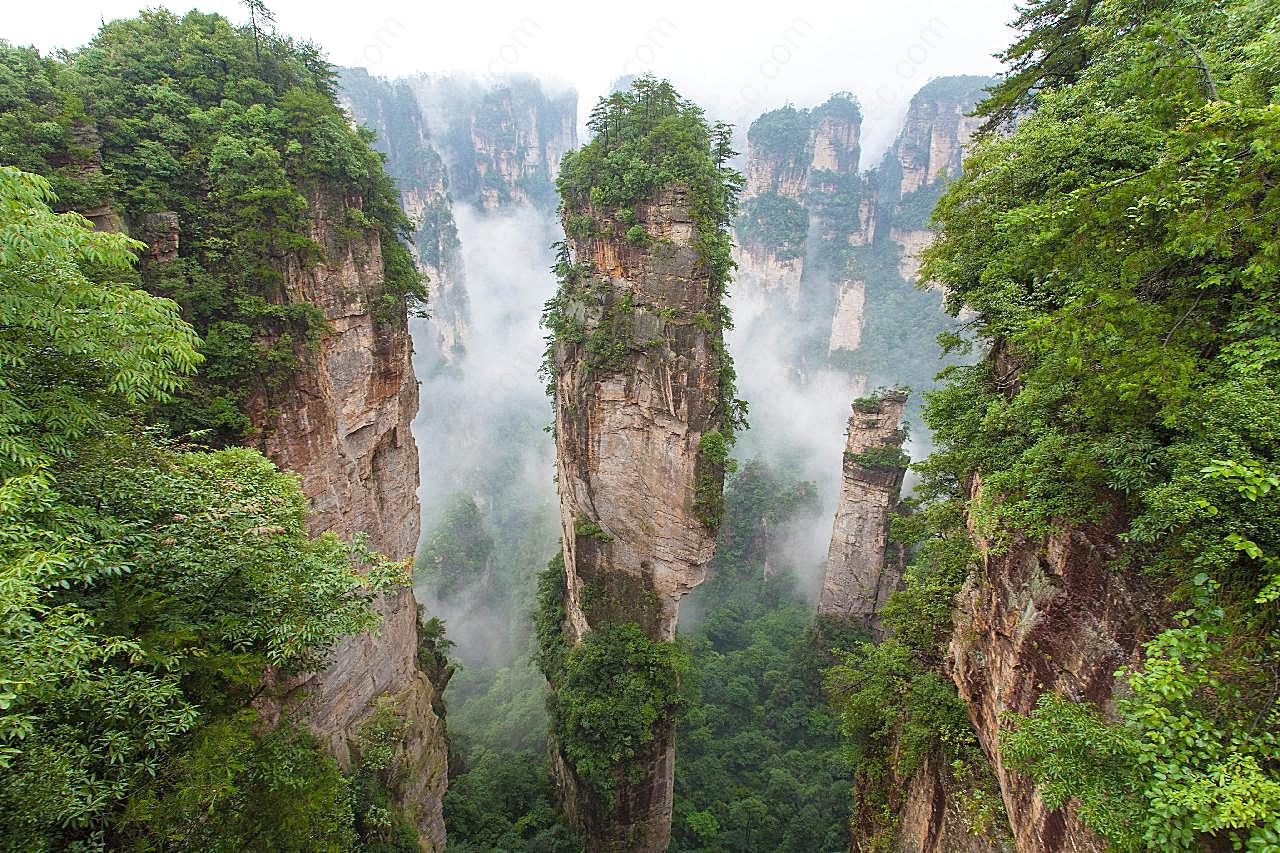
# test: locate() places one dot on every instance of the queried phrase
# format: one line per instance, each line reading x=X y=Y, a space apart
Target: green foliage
x=379 y=775
x=776 y=222
x=71 y=347
x=234 y=788
x=759 y=759
x=551 y=647
x=583 y=526
x=1051 y=52
x=712 y=464
x=616 y=688
x=637 y=236
x=242 y=149
x=1119 y=247
x=645 y=140
x=145 y=587
x=504 y=802
x=1191 y=755
x=781 y=133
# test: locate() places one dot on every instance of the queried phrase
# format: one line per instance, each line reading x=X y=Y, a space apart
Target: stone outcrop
x=775 y=276
x=342 y=423
x=1051 y=614
x=863 y=567
x=846 y=324
x=800 y=156
x=630 y=466
x=392 y=111
x=161 y=233
x=928 y=152
x=936 y=130
x=932 y=811
x=501 y=141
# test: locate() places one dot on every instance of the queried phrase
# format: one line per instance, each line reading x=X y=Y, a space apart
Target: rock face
x=846 y=325
x=795 y=158
x=343 y=425
x=629 y=432
x=831 y=252
x=1050 y=614
x=863 y=567
x=936 y=131
x=502 y=142
x=392 y=111
x=932 y=817
x=929 y=151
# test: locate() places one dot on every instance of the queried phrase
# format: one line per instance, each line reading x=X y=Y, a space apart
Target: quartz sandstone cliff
x=342 y=423
x=801 y=170
x=863 y=567
x=1046 y=614
x=929 y=151
x=1052 y=613
x=628 y=435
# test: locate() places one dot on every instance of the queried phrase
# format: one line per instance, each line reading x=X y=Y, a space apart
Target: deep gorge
x=435 y=462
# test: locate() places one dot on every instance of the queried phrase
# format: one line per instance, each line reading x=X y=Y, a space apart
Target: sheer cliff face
x=863 y=567
x=391 y=110
x=502 y=143
x=628 y=433
x=629 y=467
x=835 y=250
x=929 y=151
x=342 y=423
x=1044 y=615
x=794 y=158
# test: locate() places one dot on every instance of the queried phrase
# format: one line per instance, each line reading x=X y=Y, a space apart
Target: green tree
x=145 y=587
x=1119 y=248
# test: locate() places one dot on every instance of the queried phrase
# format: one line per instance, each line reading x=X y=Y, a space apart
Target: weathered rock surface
x=161 y=233
x=928 y=152
x=863 y=567
x=936 y=131
x=1050 y=614
x=774 y=275
x=628 y=435
x=628 y=438
x=343 y=425
x=934 y=818
x=846 y=325
x=815 y=165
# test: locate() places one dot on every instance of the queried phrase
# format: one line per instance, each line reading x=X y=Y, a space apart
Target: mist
x=481 y=424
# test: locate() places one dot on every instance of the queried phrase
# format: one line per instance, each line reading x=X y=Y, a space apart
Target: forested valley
x=425 y=462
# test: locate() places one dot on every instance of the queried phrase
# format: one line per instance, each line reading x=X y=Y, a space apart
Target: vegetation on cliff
x=238 y=132
x=157 y=595
x=1119 y=247
x=146 y=586
x=645 y=140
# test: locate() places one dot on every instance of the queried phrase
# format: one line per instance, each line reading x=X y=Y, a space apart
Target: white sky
x=737 y=60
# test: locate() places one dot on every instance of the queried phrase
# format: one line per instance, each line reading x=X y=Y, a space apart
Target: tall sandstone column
x=863 y=567
x=629 y=428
